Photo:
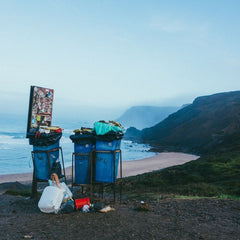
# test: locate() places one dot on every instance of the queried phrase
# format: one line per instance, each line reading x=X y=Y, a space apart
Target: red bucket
x=79 y=203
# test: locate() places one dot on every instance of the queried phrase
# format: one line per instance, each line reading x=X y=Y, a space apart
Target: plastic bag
x=44 y=139
x=56 y=168
x=51 y=199
x=83 y=139
x=67 y=194
x=102 y=128
x=68 y=207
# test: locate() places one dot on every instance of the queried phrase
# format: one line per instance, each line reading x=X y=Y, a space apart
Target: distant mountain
x=145 y=116
x=210 y=123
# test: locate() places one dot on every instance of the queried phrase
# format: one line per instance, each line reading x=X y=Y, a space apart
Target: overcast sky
x=118 y=53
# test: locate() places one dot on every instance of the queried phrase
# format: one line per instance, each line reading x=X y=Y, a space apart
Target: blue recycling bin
x=83 y=146
x=104 y=165
x=82 y=154
x=41 y=161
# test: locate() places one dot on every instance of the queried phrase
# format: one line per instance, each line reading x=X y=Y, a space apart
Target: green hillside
x=210 y=126
x=212 y=175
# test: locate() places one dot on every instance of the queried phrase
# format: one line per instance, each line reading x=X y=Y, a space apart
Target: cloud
x=193 y=32
x=172 y=26
x=233 y=61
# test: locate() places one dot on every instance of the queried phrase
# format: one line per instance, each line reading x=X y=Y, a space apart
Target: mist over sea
x=15 y=151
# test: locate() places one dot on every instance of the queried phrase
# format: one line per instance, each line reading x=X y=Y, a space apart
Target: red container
x=79 y=203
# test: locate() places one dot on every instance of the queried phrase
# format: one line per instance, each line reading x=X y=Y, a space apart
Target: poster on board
x=40 y=107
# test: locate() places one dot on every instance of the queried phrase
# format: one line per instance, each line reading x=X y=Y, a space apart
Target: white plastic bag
x=51 y=199
x=67 y=194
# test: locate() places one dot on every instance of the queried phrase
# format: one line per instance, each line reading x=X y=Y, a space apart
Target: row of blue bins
x=103 y=154
x=87 y=149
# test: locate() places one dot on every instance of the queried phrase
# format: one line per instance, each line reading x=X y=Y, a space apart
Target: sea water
x=15 y=151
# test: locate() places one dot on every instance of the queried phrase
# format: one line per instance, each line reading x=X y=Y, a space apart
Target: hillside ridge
x=133 y=117
x=208 y=124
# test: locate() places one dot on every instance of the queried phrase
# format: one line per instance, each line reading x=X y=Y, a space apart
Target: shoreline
x=129 y=168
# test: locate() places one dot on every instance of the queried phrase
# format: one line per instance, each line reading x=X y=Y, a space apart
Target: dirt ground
x=167 y=218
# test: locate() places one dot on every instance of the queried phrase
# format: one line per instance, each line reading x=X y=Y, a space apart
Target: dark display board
x=40 y=107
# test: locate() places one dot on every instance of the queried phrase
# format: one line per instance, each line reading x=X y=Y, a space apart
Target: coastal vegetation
x=210 y=127
x=215 y=175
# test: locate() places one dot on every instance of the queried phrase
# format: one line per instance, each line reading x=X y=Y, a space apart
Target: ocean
x=15 y=151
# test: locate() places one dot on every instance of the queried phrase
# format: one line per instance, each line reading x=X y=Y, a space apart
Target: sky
x=104 y=56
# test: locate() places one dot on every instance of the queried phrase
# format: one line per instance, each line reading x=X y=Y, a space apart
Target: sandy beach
x=129 y=168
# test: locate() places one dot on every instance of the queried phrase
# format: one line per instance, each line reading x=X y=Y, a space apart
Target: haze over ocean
x=117 y=54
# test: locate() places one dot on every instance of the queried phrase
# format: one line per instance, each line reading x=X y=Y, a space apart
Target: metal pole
x=64 y=173
x=114 y=179
x=120 y=176
x=72 y=169
x=34 y=180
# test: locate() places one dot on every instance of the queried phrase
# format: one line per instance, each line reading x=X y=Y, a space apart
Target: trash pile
x=44 y=136
x=104 y=139
x=108 y=131
x=142 y=206
x=58 y=198
x=104 y=131
x=83 y=136
x=96 y=155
